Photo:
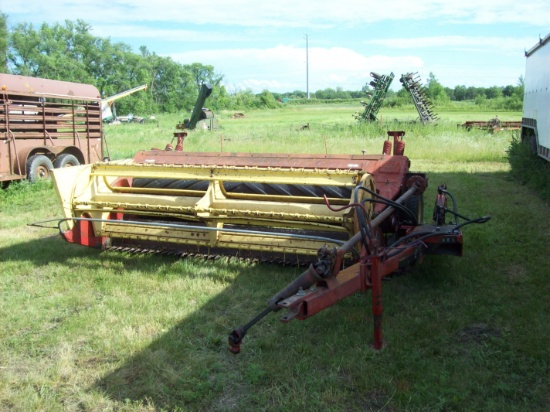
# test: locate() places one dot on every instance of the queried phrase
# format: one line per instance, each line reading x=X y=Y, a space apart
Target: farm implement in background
x=380 y=85
x=108 y=110
x=493 y=125
x=351 y=220
x=200 y=114
x=46 y=124
x=411 y=82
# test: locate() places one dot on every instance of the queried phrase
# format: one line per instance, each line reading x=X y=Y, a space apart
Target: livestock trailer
x=46 y=124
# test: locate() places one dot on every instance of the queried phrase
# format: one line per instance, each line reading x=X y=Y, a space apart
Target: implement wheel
x=416 y=205
x=38 y=168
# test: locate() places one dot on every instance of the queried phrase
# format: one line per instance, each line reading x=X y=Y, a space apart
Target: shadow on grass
x=323 y=363
x=326 y=362
x=280 y=366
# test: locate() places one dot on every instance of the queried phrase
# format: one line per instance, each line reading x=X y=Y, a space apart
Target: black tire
x=39 y=168
x=416 y=205
x=65 y=160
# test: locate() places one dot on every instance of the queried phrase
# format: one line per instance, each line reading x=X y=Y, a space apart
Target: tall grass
x=321 y=129
x=529 y=168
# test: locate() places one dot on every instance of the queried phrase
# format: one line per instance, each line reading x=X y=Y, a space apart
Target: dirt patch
x=517 y=273
x=478 y=333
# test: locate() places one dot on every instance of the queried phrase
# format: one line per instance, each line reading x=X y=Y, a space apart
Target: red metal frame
x=360 y=277
x=82 y=233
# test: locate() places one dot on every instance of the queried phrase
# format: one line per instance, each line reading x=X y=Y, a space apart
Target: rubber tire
x=65 y=160
x=39 y=168
x=416 y=205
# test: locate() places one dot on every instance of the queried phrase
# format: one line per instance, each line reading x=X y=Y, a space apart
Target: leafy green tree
x=521 y=86
x=356 y=94
x=297 y=94
x=471 y=93
x=54 y=52
x=203 y=74
x=4 y=42
x=24 y=46
x=267 y=100
x=493 y=92
x=219 y=99
x=327 y=93
x=342 y=94
x=243 y=99
x=434 y=90
x=459 y=93
x=508 y=90
x=481 y=100
x=59 y=57
x=109 y=67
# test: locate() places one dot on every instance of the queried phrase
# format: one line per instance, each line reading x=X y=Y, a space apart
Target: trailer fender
x=70 y=156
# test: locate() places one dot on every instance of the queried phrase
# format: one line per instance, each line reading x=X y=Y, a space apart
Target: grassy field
x=84 y=329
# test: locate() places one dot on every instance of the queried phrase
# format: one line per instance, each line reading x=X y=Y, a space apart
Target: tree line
x=70 y=52
x=495 y=97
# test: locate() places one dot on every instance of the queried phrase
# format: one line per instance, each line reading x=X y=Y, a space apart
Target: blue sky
x=262 y=44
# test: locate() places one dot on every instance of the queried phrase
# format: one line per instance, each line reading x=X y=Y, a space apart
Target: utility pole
x=307 y=67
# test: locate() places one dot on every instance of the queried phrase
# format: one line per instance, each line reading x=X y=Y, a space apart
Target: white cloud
x=243 y=34
x=282 y=13
x=454 y=42
x=283 y=68
x=169 y=35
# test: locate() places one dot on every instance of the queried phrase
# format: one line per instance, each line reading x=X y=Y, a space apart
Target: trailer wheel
x=65 y=160
x=38 y=168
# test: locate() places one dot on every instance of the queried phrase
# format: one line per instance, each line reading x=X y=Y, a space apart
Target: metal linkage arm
x=314 y=273
x=331 y=284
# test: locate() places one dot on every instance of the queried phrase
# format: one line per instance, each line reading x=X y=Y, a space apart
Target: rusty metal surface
x=15 y=84
x=412 y=83
x=308 y=161
x=388 y=171
x=50 y=128
x=494 y=125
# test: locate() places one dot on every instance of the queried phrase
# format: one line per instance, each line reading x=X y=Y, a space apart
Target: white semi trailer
x=535 y=124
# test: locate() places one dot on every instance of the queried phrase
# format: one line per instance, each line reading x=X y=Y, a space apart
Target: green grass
x=530 y=169
x=329 y=126
x=83 y=329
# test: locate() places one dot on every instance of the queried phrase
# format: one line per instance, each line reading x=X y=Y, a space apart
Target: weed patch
x=529 y=169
